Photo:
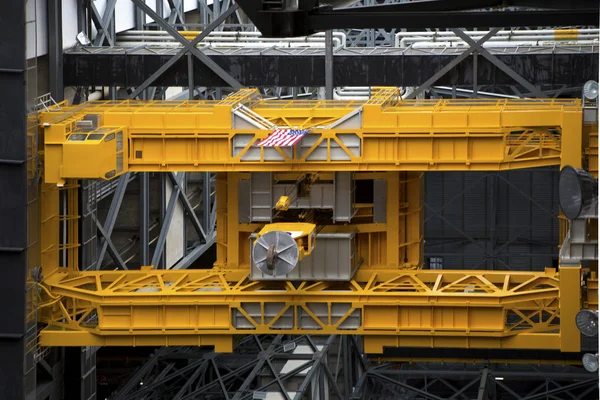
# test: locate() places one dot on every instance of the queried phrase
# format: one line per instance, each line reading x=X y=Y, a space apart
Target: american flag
x=283 y=137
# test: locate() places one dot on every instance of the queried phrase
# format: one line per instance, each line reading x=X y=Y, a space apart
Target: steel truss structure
x=320 y=367
x=126 y=66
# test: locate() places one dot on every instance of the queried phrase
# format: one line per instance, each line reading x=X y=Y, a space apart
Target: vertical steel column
x=160 y=11
x=13 y=202
x=346 y=354
x=140 y=18
x=475 y=58
x=162 y=261
x=190 y=64
x=329 y=65
x=144 y=178
x=55 y=53
x=206 y=205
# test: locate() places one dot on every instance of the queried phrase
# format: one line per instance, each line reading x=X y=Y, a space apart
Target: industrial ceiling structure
x=272 y=199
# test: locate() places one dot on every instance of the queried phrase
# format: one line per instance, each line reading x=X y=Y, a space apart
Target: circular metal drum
x=275 y=253
x=577 y=193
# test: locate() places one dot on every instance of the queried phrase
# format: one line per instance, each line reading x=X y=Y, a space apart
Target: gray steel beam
x=583 y=395
x=258 y=367
x=206 y=203
x=318 y=357
x=494 y=60
x=329 y=65
x=220 y=379
x=205 y=12
x=135 y=379
x=195 y=394
x=108 y=18
x=190 y=76
x=185 y=387
x=187 y=206
x=347 y=353
x=191 y=46
x=285 y=376
x=275 y=374
x=403 y=385
x=332 y=382
x=475 y=71
x=513 y=374
x=166 y=224
x=176 y=12
x=448 y=67
x=103 y=23
x=161 y=380
x=193 y=255
x=140 y=18
x=144 y=218
x=593 y=381
x=112 y=250
x=111 y=217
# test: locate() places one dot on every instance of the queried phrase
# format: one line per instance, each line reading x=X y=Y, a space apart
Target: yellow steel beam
x=389 y=134
x=466 y=309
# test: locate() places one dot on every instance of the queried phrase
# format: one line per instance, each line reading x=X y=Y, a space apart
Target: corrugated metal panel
x=523 y=235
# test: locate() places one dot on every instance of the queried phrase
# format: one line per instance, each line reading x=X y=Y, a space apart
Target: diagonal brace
x=166 y=223
x=101 y=27
x=494 y=60
x=191 y=46
x=175 y=12
x=448 y=67
x=107 y=18
x=113 y=211
x=112 y=250
x=188 y=207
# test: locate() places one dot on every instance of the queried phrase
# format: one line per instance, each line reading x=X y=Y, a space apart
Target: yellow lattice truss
x=389 y=301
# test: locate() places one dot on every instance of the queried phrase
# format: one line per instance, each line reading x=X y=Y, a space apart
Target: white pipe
x=458 y=90
x=435 y=45
x=231 y=45
x=232 y=39
x=557 y=34
x=407 y=41
x=502 y=32
x=230 y=36
x=97 y=95
x=363 y=95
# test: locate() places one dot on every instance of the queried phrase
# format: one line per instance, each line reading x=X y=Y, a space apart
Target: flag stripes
x=283 y=137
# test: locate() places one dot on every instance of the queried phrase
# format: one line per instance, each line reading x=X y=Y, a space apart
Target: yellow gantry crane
x=296 y=253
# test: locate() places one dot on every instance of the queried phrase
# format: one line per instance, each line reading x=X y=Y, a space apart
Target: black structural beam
x=310 y=16
x=379 y=18
x=13 y=201
x=353 y=67
x=463 y=5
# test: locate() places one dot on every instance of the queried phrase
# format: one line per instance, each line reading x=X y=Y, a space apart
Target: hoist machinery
x=319 y=221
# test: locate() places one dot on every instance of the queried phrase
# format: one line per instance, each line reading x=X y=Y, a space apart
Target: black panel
x=13 y=213
x=280 y=69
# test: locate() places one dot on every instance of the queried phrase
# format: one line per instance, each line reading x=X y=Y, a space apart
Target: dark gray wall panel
x=522 y=233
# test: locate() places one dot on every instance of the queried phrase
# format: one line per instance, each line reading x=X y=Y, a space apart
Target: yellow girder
x=417 y=135
x=388 y=302
x=483 y=309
